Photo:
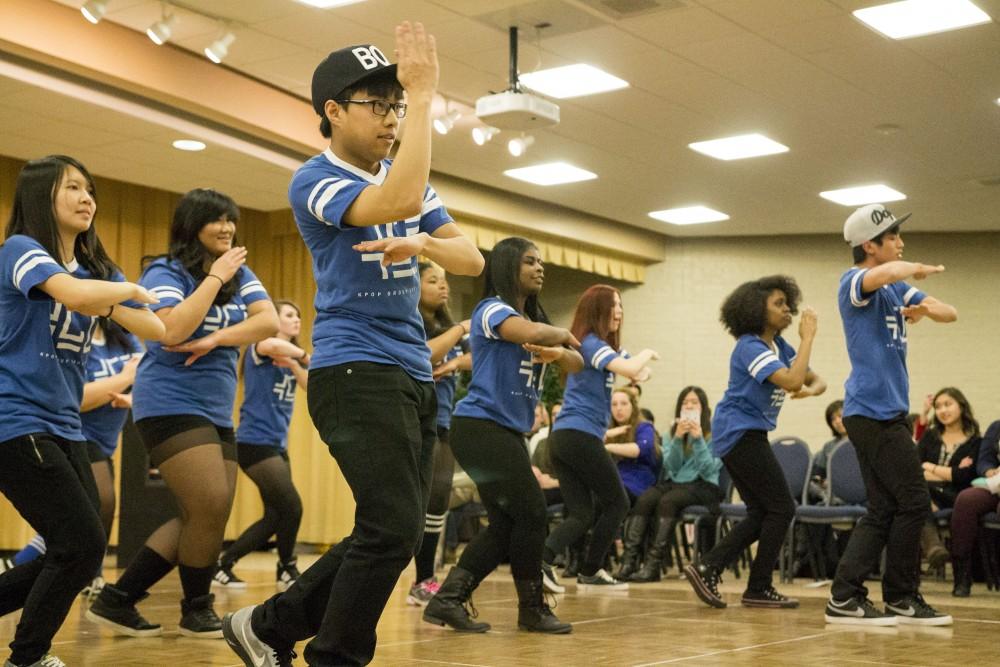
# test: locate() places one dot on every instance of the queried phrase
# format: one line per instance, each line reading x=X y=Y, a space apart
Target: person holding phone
x=690 y=476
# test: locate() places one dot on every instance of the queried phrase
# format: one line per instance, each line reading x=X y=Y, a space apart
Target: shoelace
x=773 y=595
x=285 y=658
x=921 y=605
x=51 y=661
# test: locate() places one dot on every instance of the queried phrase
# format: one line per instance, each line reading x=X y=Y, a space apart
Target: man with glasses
x=365 y=219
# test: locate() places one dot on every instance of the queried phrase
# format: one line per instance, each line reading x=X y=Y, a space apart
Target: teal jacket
x=700 y=463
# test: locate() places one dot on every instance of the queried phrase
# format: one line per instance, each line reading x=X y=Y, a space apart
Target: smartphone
x=693 y=415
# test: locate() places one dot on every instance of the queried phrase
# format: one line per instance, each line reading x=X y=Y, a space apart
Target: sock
x=196 y=581
x=147 y=568
x=33 y=550
x=425 y=556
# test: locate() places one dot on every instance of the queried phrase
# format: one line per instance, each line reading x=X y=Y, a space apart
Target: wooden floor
x=652 y=624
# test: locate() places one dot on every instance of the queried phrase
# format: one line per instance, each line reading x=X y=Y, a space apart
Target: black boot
x=115 y=609
x=653 y=564
x=452 y=604
x=963 y=577
x=572 y=568
x=635 y=532
x=533 y=614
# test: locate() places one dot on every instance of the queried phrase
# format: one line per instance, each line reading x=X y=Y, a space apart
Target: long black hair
x=970 y=426
x=503 y=273
x=196 y=209
x=115 y=335
x=706 y=410
x=33 y=214
x=441 y=319
x=745 y=310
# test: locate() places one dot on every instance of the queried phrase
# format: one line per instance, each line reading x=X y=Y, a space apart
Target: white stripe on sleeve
x=601 y=355
x=251 y=287
x=257 y=361
x=167 y=292
x=315 y=191
x=27 y=262
x=431 y=205
x=328 y=194
x=485 y=322
x=762 y=363
x=910 y=293
x=856 y=289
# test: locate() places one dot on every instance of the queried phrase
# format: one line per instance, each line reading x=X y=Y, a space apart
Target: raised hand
x=416 y=60
x=198 y=348
x=395 y=248
x=807 y=323
x=229 y=263
x=121 y=401
x=143 y=295
x=543 y=353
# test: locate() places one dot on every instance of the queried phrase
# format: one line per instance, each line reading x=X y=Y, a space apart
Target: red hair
x=593 y=315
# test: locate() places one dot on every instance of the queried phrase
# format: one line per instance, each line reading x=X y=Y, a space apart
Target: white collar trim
x=376 y=179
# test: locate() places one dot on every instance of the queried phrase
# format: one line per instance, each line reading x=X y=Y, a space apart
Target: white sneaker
x=549 y=580
x=240 y=636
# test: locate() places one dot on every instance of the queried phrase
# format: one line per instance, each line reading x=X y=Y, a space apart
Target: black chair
x=795 y=459
x=699 y=515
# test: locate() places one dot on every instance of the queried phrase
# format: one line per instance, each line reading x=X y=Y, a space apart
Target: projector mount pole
x=515 y=84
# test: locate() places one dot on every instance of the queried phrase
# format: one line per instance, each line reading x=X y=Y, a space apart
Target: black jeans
x=593 y=493
x=497 y=461
x=667 y=499
x=379 y=424
x=898 y=506
x=770 y=509
x=50 y=483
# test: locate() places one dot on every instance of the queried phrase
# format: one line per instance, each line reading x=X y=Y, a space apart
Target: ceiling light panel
x=572 y=81
x=551 y=173
x=912 y=18
x=878 y=193
x=689 y=215
x=739 y=147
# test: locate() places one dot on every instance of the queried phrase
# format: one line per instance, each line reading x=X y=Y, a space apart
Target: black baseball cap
x=344 y=68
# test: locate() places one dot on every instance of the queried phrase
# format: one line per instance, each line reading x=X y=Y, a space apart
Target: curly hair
x=745 y=310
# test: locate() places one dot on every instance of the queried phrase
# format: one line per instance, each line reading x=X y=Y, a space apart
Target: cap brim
x=900 y=220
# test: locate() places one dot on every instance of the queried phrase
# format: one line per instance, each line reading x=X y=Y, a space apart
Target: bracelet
x=110 y=310
x=222 y=283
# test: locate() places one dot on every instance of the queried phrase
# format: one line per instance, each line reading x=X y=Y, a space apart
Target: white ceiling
x=804 y=72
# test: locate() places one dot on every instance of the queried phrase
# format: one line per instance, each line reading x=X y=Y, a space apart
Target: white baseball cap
x=868 y=222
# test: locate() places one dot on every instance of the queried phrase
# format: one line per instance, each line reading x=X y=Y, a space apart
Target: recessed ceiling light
x=863 y=194
x=189 y=145
x=912 y=18
x=689 y=215
x=739 y=147
x=327 y=4
x=219 y=49
x=572 y=81
x=552 y=173
x=94 y=10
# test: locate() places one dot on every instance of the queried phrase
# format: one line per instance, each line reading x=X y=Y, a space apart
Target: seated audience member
x=818 y=489
x=542 y=433
x=970 y=505
x=690 y=476
x=948 y=451
x=633 y=444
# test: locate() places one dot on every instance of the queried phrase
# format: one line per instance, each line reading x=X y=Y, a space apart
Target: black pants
x=898 y=506
x=497 y=461
x=667 y=499
x=50 y=483
x=770 y=509
x=593 y=493
x=379 y=425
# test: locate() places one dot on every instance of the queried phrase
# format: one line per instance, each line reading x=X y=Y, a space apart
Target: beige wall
x=676 y=313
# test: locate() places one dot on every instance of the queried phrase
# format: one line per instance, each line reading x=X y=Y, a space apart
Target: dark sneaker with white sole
x=245 y=643
x=768 y=599
x=856 y=611
x=705 y=581
x=913 y=610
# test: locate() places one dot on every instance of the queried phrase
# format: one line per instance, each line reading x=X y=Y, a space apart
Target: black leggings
x=668 y=499
x=497 y=461
x=770 y=509
x=437 y=506
x=282 y=505
x=593 y=492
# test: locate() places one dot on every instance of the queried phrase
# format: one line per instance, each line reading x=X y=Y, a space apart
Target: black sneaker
x=254 y=652
x=288 y=573
x=705 y=581
x=913 y=610
x=856 y=611
x=601 y=580
x=47 y=660
x=114 y=609
x=198 y=618
x=224 y=576
x=768 y=599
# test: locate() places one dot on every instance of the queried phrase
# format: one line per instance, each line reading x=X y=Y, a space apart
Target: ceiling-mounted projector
x=514 y=109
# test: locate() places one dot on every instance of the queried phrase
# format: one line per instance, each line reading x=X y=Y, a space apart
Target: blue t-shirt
x=103 y=425
x=364 y=311
x=587 y=400
x=445 y=390
x=163 y=384
x=640 y=473
x=43 y=345
x=505 y=383
x=751 y=403
x=879 y=385
x=268 y=399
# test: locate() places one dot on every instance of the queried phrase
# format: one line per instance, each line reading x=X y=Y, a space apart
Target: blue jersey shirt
x=103 y=425
x=445 y=390
x=43 y=345
x=268 y=399
x=587 y=400
x=751 y=403
x=364 y=311
x=163 y=384
x=505 y=383
x=879 y=385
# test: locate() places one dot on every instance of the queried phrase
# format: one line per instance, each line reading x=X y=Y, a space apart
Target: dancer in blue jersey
x=365 y=219
x=591 y=487
x=444 y=338
x=512 y=342
x=272 y=369
x=876 y=305
x=762 y=368
x=55 y=281
x=210 y=304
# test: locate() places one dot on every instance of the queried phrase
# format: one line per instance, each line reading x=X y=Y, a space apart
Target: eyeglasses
x=380 y=107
